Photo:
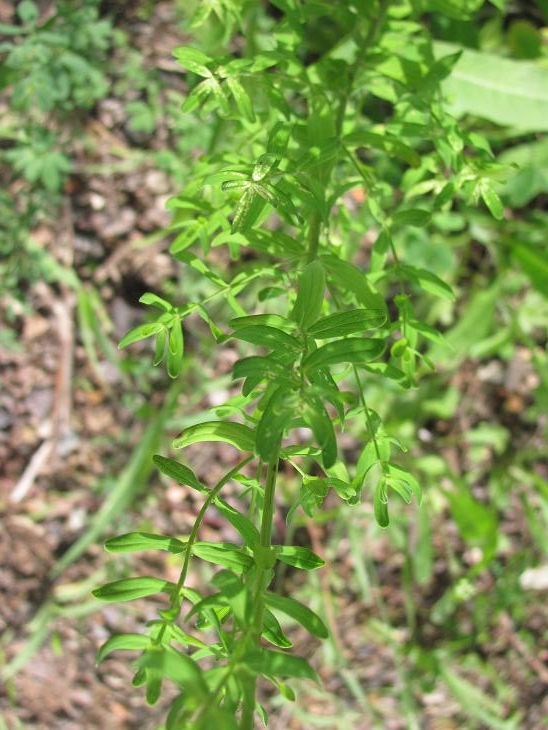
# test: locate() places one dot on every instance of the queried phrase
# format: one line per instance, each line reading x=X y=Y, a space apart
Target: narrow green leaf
x=380 y=505
x=160 y=347
x=264 y=165
x=428 y=281
x=347 y=323
x=350 y=278
x=197 y=96
x=175 y=350
x=534 y=262
x=153 y=686
x=430 y=333
x=235 y=434
x=154 y=300
x=128 y=589
x=194 y=60
x=272 y=631
x=413 y=217
x=278 y=664
x=122 y=642
x=492 y=200
x=299 y=557
x=300 y=613
x=267 y=336
x=223 y=553
x=178 y=667
x=353 y=350
x=258 y=367
x=241 y=97
x=239 y=522
x=318 y=420
x=308 y=304
x=140 y=333
x=273 y=320
x=181 y=473
x=244 y=213
x=275 y=418
x=136 y=541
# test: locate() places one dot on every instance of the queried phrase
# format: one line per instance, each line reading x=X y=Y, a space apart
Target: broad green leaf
x=353 y=350
x=236 y=434
x=299 y=557
x=302 y=614
x=122 y=642
x=279 y=664
x=194 y=60
x=347 y=323
x=181 y=473
x=135 y=541
x=275 y=418
x=128 y=589
x=504 y=91
x=308 y=304
x=140 y=333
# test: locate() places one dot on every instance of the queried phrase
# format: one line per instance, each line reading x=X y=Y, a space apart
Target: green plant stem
x=213 y=494
x=261 y=579
x=314 y=237
x=367 y=416
x=313 y=240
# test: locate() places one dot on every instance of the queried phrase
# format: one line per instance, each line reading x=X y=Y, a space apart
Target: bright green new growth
x=321 y=327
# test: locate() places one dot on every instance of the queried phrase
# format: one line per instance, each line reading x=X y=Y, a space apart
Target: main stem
x=263 y=571
x=262 y=578
x=314 y=229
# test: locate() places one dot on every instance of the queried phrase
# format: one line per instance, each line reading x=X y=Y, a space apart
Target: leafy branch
x=277 y=190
